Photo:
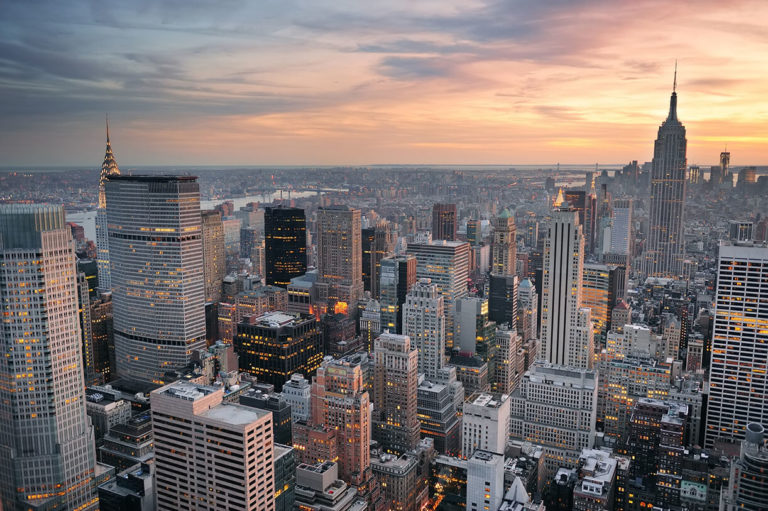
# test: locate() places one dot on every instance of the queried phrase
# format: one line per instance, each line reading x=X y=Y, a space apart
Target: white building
x=46 y=439
x=424 y=323
x=297 y=392
x=156 y=255
x=485 y=425
x=468 y=311
x=621 y=227
x=566 y=327
x=555 y=407
x=737 y=375
x=485 y=481
x=210 y=454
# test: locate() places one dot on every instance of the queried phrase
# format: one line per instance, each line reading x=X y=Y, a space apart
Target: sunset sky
x=236 y=82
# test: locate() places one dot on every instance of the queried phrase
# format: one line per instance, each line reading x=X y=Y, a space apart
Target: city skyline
x=458 y=83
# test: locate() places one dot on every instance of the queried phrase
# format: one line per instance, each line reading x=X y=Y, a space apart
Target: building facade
x=339 y=256
x=424 y=319
x=46 y=439
x=285 y=245
x=156 y=255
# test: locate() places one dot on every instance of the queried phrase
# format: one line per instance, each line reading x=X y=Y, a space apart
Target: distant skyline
x=313 y=82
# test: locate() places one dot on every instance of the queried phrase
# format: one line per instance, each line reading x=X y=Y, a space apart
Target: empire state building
x=664 y=253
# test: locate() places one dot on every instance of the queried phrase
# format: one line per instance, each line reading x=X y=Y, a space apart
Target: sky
x=343 y=82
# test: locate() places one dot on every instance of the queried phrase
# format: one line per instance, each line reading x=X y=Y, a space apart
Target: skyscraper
x=46 y=440
x=665 y=250
x=446 y=264
x=156 y=255
x=398 y=274
x=377 y=243
x=275 y=345
x=566 y=327
x=621 y=228
x=209 y=453
x=108 y=168
x=285 y=237
x=395 y=391
x=504 y=258
x=738 y=381
x=424 y=319
x=214 y=256
x=444 y=222
x=339 y=256
x=599 y=294
x=725 y=168
x=340 y=402
x=502 y=286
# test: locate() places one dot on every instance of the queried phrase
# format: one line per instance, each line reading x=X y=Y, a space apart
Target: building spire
x=674 y=83
x=108 y=168
x=672 y=117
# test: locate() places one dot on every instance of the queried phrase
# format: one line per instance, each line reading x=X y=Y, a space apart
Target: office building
x=263 y=399
x=621 y=227
x=424 y=319
x=403 y=480
x=474 y=231
x=527 y=310
x=665 y=248
x=485 y=480
x=214 y=256
x=504 y=256
x=506 y=367
x=47 y=441
x=156 y=253
x=446 y=264
x=471 y=371
x=395 y=391
x=596 y=488
x=738 y=382
x=285 y=244
x=297 y=392
x=108 y=168
x=276 y=345
x=398 y=274
x=318 y=488
x=378 y=242
x=444 y=222
x=285 y=477
x=438 y=415
x=566 y=327
x=132 y=489
x=339 y=257
x=555 y=407
x=740 y=231
x=341 y=403
x=748 y=487
x=210 y=453
x=129 y=443
x=599 y=294
x=370 y=323
x=485 y=424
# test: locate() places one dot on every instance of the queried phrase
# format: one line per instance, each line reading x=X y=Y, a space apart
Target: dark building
x=249 y=239
x=585 y=204
x=285 y=245
x=398 y=274
x=285 y=477
x=127 y=444
x=377 y=243
x=444 y=222
x=274 y=346
x=130 y=490
x=90 y=269
x=340 y=335
x=502 y=300
x=281 y=412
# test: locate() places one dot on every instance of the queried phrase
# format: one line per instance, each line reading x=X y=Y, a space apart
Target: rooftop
x=234 y=414
x=487 y=400
x=187 y=391
x=151 y=178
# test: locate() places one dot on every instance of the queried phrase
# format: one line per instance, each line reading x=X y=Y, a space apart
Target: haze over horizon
x=350 y=83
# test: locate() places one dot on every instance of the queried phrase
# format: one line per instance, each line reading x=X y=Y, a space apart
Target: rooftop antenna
x=107 y=117
x=674 y=84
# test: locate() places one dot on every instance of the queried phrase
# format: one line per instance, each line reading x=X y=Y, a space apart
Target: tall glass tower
x=46 y=439
x=666 y=245
x=156 y=255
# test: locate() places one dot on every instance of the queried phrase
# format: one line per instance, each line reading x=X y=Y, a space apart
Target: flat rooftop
x=187 y=391
x=234 y=414
x=145 y=178
x=487 y=400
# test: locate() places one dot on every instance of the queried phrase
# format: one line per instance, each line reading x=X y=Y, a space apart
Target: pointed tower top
x=108 y=168
x=560 y=200
x=672 y=117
